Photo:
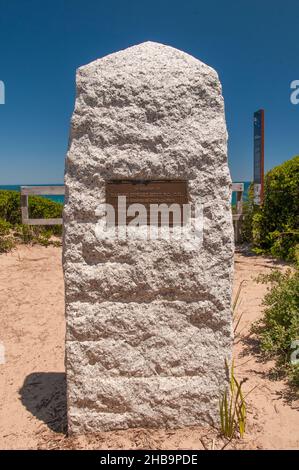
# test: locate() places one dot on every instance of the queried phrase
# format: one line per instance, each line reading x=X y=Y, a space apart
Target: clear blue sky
x=252 y=44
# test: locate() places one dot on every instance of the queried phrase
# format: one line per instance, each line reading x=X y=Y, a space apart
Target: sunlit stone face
x=148 y=319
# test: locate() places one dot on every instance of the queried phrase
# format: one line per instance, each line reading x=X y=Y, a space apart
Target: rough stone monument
x=149 y=322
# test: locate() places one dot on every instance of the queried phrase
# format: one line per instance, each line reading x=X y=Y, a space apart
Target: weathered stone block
x=148 y=321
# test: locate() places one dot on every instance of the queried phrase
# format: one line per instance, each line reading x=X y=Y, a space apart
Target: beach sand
x=32 y=380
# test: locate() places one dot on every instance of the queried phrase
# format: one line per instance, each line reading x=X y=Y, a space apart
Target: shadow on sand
x=44 y=395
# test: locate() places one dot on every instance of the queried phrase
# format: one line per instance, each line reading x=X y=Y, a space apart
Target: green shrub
x=6 y=244
x=275 y=227
x=10 y=208
x=4 y=227
x=33 y=234
x=279 y=326
x=6 y=241
x=24 y=233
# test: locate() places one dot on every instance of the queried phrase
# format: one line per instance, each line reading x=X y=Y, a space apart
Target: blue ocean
x=61 y=198
x=17 y=187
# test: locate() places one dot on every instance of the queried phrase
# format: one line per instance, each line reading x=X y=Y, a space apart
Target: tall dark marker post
x=259 y=155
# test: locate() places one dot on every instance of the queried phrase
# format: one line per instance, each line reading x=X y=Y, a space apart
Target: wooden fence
x=238 y=215
x=59 y=190
x=38 y=191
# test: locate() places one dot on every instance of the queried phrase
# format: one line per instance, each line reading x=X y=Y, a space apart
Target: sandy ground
x=32 y=380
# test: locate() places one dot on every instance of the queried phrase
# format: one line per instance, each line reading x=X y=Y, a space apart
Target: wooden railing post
x=24 y=208
x=38 y=190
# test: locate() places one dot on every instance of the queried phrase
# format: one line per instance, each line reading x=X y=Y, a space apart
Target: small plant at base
x=232 y=407
x=237 y=296
x=237 y=319
x=6 y=244
x=4 y=227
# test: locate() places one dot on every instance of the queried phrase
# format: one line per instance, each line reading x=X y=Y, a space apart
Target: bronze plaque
x=147 y=192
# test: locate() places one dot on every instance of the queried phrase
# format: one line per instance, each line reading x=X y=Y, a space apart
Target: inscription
x=147 y=193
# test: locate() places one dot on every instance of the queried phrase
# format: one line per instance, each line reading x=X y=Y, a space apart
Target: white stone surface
x=148 y=323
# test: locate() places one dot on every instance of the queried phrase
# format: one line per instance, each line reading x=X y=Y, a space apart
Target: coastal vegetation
x=278 y=329
x=273 y=228
x=12 y=231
